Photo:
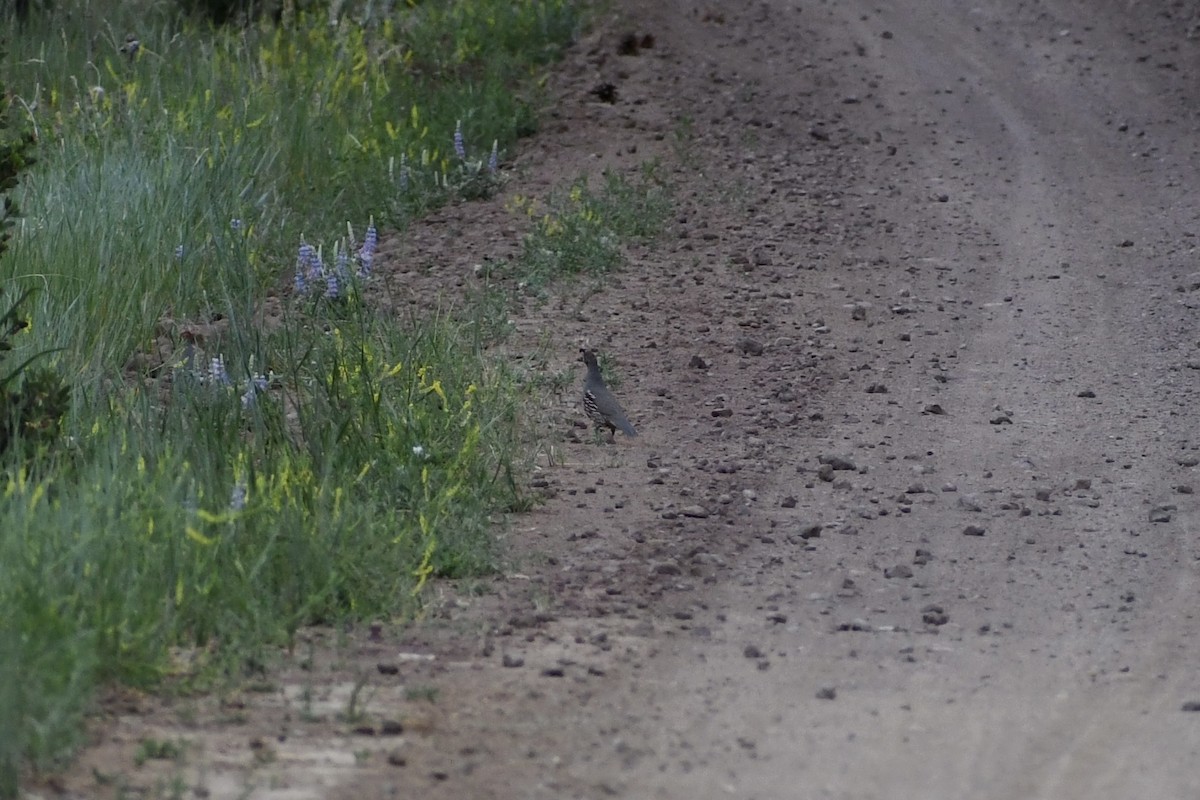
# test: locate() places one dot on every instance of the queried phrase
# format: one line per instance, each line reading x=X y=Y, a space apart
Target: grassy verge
x=238 y=460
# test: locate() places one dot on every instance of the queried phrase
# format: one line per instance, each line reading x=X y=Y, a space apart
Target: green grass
x=581 y=231
x=339 y=457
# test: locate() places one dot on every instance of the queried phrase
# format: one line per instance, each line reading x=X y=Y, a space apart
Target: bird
x=598 y=402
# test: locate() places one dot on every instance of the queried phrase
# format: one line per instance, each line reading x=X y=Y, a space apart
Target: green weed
x=580 y=231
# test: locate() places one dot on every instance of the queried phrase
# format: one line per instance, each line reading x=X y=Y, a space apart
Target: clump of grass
x=581 y=231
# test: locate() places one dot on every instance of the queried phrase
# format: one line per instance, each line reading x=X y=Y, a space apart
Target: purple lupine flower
x=331 y=285
x=366 y=253
x=343 y=262
x=460 y=149
x=216 y=371
x=237 y=498
x=258 y=383
x=494 y=158
x=305 y=257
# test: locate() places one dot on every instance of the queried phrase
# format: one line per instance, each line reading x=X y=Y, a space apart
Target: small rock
x=810 y=531
x=935 y=409
x=827 y=693
x=696 y=512
x=934 y=614
x=553 y=672
x=973 y=530
x=750 y=347
x=837 y=462
x=788 y=502
x=388 y=669
x=1001 y=419
x=1184 y=488
x=1043 y=495
x=1188 y=461
x=877 y=388
x=1085 y=393
x=722 y=412
x=969 y=502
x=395 y=758
x=391 y=727
x=1161 y=513
x=922 y=557
x=898 y=571
x=698 y=362
x=751 y=651
x=511 y=661
x=1191 y=706
x=859 y=312
x=666 y=568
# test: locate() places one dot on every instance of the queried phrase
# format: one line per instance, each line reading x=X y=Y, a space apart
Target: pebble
x=696 y=512
x=827 y=693
x=810 y=531
x=968 y=502
x=511 y=661
x=788 y=502
x=934 y=614
x=1190 y=705
x=698 y=362
x=837 y=462
x=898 y=571
x=1161 y=513
x=750 y=347
x=973 y=530
x=877 y=388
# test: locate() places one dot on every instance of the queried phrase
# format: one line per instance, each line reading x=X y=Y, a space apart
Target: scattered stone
x=751 y=651
x=916 y=488
x=837 y=462
x=553 y=672
x=750 y=347
x=788 y=502
x=666 y=568
x=391 y=727
x=973 y=530
x=511 y=661
x=922 y=557
x=1085 y=393
x=935 y=409
x=825 y=472
x=934 y=614
x=395 y=758
x=1188 y=461
x=969 y=502
x=1082 y=484
x=388 y=669
x=364 y=730
x=1125 y=243
x=777 y=619
x=1184 y=488
x=722 y=412
x=877 y=388
x=859 y=312
x=698 y=362
x=827 y=693
x=1043 y=495
x=1001 y=419
x=898 y=571
x=1161 y=513
x=810 y=530
x=1191 y=706
x=695 y=512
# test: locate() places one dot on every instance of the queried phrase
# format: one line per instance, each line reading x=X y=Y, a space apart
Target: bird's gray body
x=598 y=402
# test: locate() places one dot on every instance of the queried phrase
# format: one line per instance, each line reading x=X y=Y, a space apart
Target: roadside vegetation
x=230 y=441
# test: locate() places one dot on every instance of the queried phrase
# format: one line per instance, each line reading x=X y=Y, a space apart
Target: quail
x=599 y=403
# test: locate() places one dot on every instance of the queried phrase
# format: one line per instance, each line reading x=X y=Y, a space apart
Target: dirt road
x=921 y=524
